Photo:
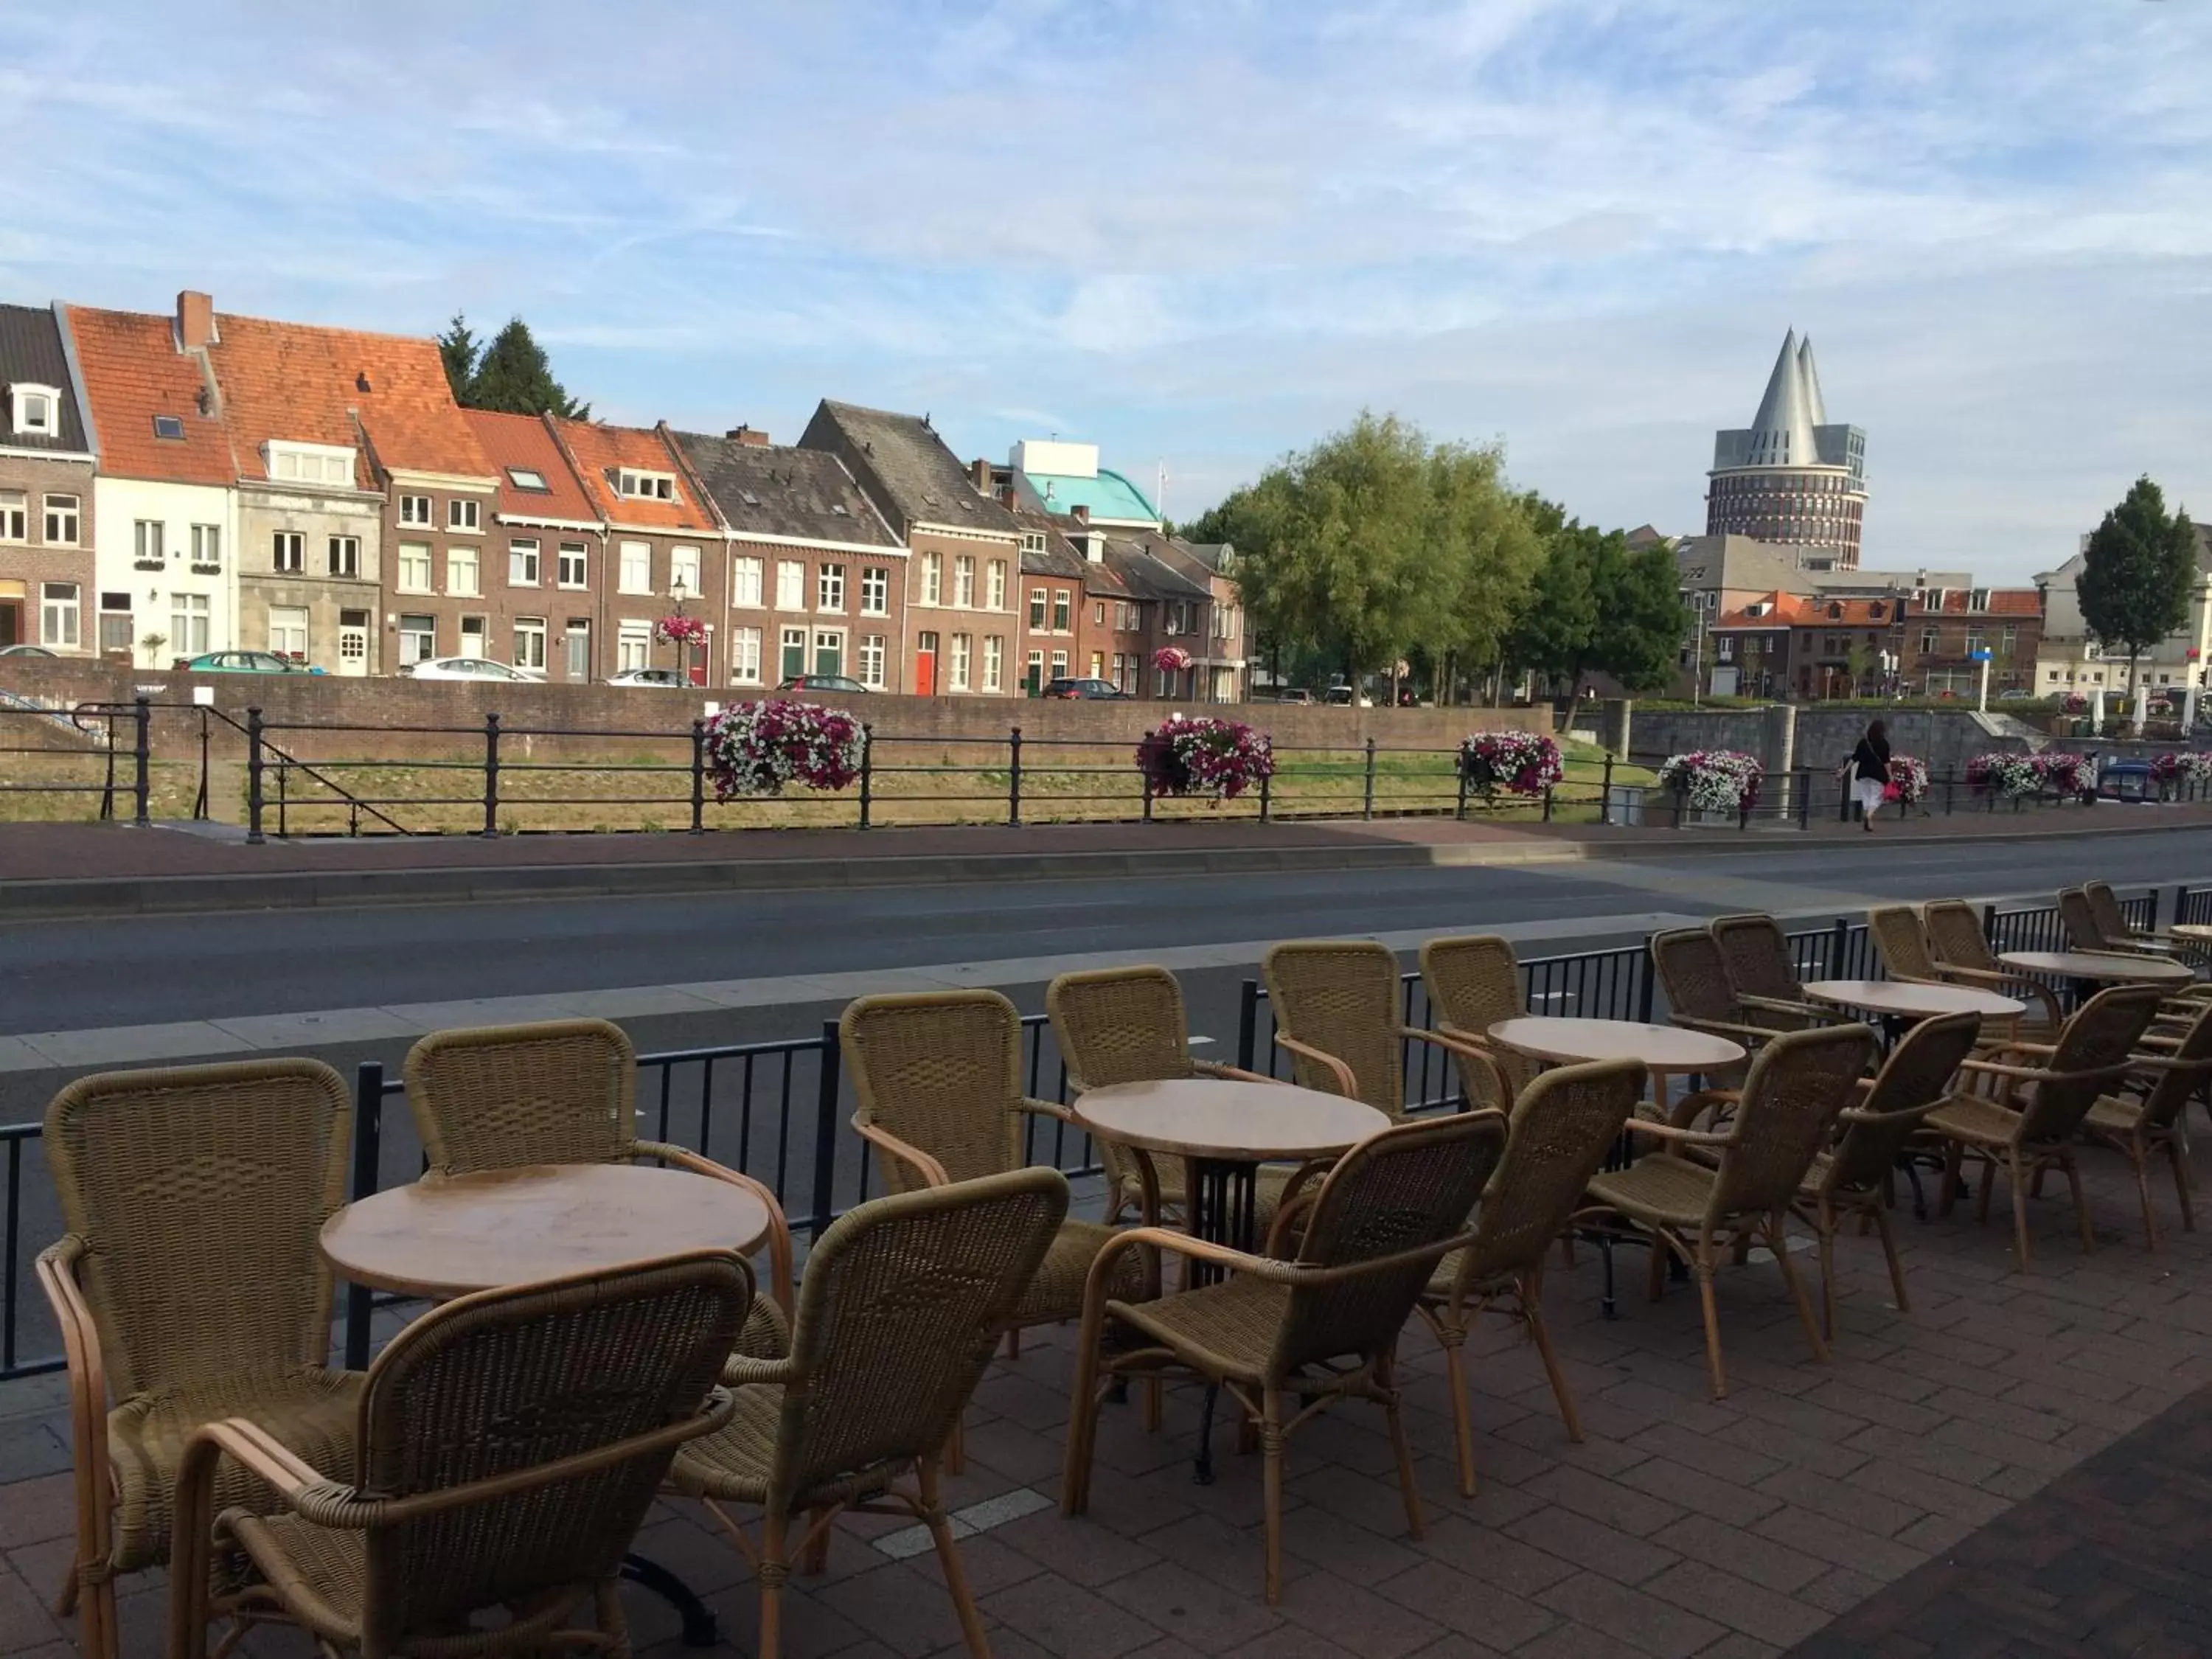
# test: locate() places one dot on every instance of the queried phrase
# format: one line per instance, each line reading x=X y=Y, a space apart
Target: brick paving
x=2023 y=1465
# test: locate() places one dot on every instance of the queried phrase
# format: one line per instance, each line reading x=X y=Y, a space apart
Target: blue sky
x=1204 y=232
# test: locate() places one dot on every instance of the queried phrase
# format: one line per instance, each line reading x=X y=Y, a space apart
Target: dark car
x=1081 y=689
x=843 y=683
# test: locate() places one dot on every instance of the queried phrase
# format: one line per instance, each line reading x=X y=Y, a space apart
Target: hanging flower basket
x=1716 y=781
x=1191 y=755
x=1518 y=763
x=756 y=748
x=1171 y=658
x=680 y=630
x=2004 y=775
x=2189 y=769
x=2067 y=775
x=1908 y=775
x=2076 y=703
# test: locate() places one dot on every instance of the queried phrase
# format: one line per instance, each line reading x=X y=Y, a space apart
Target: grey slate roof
x=779 y=490
x=30 y=350
x=1135 y=560
x=903 y=463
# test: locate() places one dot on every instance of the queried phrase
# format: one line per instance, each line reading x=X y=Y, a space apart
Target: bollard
x=253 y=763
x=142 y=752
x=1014 y=775
x=1367 y=799
x=491 y=776
x=699 y=777
x=868 y=770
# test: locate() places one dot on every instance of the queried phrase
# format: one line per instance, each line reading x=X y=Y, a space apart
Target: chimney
x=979 y=471
x=195 y=320
x=1082 y=514
x=1006 y=497
x=750 y=436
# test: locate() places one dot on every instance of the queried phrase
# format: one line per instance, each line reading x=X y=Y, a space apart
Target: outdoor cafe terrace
x=2021 y=1463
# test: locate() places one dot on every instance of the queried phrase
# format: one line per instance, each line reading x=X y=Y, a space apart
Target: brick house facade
x=47 y=595
x=551 y=562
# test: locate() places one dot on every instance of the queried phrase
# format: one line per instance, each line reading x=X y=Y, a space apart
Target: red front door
x=925 y=666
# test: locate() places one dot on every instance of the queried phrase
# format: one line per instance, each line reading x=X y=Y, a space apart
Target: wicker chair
x=2031 y=1125
x=189 y=1287
x=509 y=1444
x=2113 y=922
x=1853 y=1177
x=1336 y=1007
x=1961 y=952
x=1128 y=1025
x=1797 y=1084
x=2150 y=1125
x=903 y=1299
x=1756 y=952
x=1474 y=982
x=565 y=1091
x=2085 y=930
x=1563 y=1126
x=1902 y=945
x=1318 y=1327
x=1693 y=978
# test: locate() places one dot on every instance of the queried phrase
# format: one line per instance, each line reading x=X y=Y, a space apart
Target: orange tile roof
x=133 y=372
x=521 y=440
x=1782 y=610
x=600 y=450
x=2002 y=602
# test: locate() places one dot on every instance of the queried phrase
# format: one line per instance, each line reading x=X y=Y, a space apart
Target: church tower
x=1790 y=477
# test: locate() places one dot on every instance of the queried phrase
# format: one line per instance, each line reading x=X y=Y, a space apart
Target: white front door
x=353 y=642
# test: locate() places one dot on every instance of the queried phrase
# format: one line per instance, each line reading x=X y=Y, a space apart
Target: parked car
x=246 y=662
x=1083 y=689
x=1342 y=696
x=472 y=668
x=670 y=679
x=840 y=683
x=2015 y=696
x=24 y=651
x=1297 y=694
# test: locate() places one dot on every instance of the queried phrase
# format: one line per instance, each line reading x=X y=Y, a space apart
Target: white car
x=671 y=679
x=473 y=668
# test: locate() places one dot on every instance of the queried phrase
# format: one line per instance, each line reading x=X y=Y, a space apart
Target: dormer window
x=311 y=463
x=644 y=486
x=36 y=409
x=1032 y=541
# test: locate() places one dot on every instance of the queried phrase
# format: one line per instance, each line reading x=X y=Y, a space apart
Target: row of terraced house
x=174 y=485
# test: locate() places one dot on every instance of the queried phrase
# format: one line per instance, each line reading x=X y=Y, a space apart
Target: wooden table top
x=2099 y=964
x=446 y=1237
x=2196 y=930
x=1661 y=1047
x=1889 y=996
x=1226 y=1120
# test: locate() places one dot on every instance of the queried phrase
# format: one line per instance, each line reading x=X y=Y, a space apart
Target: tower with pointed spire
x=1790 y=477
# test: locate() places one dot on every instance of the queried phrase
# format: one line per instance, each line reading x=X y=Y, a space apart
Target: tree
x=2136 y=576
x=1641 y=616
x=512 y=374
x=1598 y=605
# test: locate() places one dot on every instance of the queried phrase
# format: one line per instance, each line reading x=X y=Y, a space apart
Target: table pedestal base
x=699 y=1628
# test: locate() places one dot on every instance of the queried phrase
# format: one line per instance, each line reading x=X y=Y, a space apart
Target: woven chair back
x=1474 y=982
x=1955 y=935
x=1756 y=955
x=2100 y=1035
x=1120 y=1026
x=1561 y=1129
x=493 y=1387
x=1340 y=996
x=1693 y=976
x=1900 y=942
x=941 y=1070
x=200 y=1191
x=902 y=1301
x=2163 y=1106
x=2078 y=918
x=1798 y=1083
x=1915 y=1077
x=2104 y=908
x=499 y=1096
x=1398 y=1200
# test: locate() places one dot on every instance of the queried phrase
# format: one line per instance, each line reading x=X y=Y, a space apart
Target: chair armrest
x=1687 y=1108
x=294 y=1480
x=779 y=1229
x=1036 y=1107
x=739 y=1372
x=1231 y=1073
x=56 y=1267
x=1785 y=1005
x=931 y=1172
x=1725 y=1027
x=1183 y=1244
x=1644 y=1126
x=1467 y=1052
x=1992 y=1068
x=1346 y=1083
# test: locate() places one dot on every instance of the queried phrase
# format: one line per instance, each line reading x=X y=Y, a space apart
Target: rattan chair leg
x=948 y=1559
x=1083 y=1409
x=814 y=1560
x=1889 y=1251
x=1777 y=1240
x=956 y=1446
x=65 y=1598
x=1152 y=1397
x=1824 y=1224
x=2139 y=1155
x=1271 y=1451
x=2176 y=1155
x=1532 y=1314
x=1656 y=1286
x=1954 y=1156
x=772 y=1572
x=2081 y=1223
x=1702 y=1266
x=2019 y=1212
x=1394 y=1414
x=1988 y=1186
x=614 y=1628
x=1455 y=1343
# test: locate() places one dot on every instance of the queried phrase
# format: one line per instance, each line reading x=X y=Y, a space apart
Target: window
x=1034 y=679
x=207 y=547
x=1179 y=617
x=61 y=521
x=146 y=544
x=875 y=590
x=2009 y=639
x=1059 y=665
x=794 y=653
x=460 y=572
x=418 y=636
x=829 y=588
x=1098 y=613
x=994 y=586
x=829 y=651
x=995 y=661
x=414 y=568
x=1033 y=541
x=529 y=478
x=1726 y=651
x=476 y=636
x=288 y=630
x=414 y=509
x=745 y=656
x=571 y=568
x=961 y=645
x=964 y=581
x=462 y=514
x=345 y=556
x=522 y=564
x=1930 y=642
x=116 y=633
x=188 y=623
x=636 y=576
x=932 y=578
x=169 y=428
x=745 y=580
x=15 y=515
x=872 y=660
x=1037 y=597
x=318 y=464
x=1062 y=601
x=632 y=647
x=790 y=585
x=646 y=486
x=529 y=641
x=288 y=552
x=683 y=572
x=57 y=615
x=34 y=412
x=1098 y=665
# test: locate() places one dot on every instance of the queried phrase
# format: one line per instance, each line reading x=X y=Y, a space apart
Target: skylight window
x=528 y=478
x=750 y=500
x=170 y=428
x=838 y=508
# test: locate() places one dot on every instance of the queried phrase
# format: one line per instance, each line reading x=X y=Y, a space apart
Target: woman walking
x=1870 y=771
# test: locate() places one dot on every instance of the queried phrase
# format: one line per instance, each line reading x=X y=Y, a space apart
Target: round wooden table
x=1665 y=1050
x=1908 y=1000
x=445 y=1237
x=2198 y=931
x=2104 y=967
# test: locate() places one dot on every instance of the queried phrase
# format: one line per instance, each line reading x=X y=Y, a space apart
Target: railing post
x=491 y=776
x=1990 y=925
x=699 y=777
x=253 y=763
x=1247 y=1025
x=1682 y=797
x=825 y=1132
x=1547 y=803
x=200 y=801
x=1367 y=798
x=1805 y=798
x=142 y=722
x=868 y=770
x=1266 y=780
x=367 y=1148
x=1604 y=793
x=1145 y=772
x=1014 y=775
x=1649 y=977
x=1839 y=940
x=2180 y=908
x=1947 y=794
